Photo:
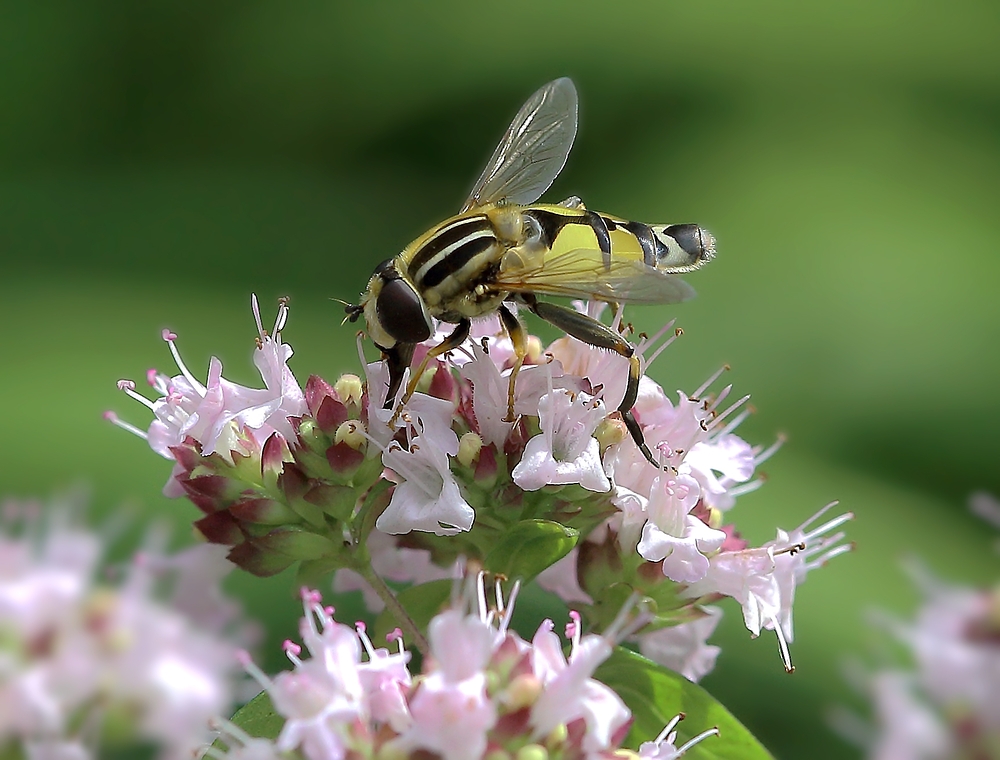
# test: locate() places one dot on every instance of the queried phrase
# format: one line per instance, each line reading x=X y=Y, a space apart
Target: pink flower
x=215 y=413
x=569 y=691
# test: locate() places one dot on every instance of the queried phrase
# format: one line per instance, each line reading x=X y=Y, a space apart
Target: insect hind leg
x=595 y=333
x=519 y=338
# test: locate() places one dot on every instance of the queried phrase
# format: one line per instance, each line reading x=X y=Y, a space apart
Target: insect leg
x=453 y=341
x=397 y=358
x=519 y=338
x=595 y=333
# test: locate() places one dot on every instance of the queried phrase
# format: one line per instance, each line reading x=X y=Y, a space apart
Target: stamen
x=243 y=657
x=170 y=337
x=129 y=388
x=498 y=595
x=396 y=635
x=281 y=318
x=835 y=552
x=736 y=422
x=669 y=727
x=691 y=742
x=115 y=420
x=827 y=526
x=481 y=595
x=708 y=383
x=509 y=612
x=292 y=652
x=770 y=451
x=619 y=314
x=362 y=631
x=722 y=415
x=786 y=658
x=256 y=316
x=648 y=342
x=791 y=550
x=748 y=487
x=573 y=629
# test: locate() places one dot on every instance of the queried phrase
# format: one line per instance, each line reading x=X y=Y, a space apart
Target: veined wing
x=533 y=151
x=589 y=273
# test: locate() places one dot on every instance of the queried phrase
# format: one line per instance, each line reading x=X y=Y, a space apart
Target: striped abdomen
x=668 y=247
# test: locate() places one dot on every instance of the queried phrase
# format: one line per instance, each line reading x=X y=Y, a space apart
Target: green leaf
x=655 y=695
x=529 y=547
x=298 y=544
x=258 y=718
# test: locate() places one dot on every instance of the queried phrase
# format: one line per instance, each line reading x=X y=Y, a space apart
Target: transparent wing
x=533 y=151
x=586 y=273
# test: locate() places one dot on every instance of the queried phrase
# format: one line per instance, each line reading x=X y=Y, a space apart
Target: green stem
x=410 y=630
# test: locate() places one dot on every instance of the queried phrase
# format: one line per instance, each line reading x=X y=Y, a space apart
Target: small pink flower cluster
x=283 y=474
x=483 y=691
x=946 y=704
x=80 y=653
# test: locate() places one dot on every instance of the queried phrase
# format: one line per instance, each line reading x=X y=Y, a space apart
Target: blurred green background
x=159 y=161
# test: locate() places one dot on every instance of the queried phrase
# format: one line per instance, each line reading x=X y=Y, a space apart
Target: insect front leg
x=595 y=333
x=397 y=359
x=453 y=341
x=519 y=338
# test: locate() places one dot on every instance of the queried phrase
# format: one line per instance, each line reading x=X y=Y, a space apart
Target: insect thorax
x=452 y=265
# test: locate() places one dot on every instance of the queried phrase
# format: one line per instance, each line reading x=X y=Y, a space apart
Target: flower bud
x=523 y=691
x=534 y=347
x=349 y=388
x=351 y=433
x=609 y=432
x=532 y=752
x=468 y=449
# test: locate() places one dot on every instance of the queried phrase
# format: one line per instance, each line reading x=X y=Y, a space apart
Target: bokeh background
x=159 y=161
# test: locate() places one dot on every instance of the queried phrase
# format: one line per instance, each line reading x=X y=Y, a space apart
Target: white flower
x=718 y=465
x=763 y=580
x=671 y=535
x=683 y=648
x=427 y=496
x=566 y=450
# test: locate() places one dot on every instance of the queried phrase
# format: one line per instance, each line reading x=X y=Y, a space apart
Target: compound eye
x=401 y=312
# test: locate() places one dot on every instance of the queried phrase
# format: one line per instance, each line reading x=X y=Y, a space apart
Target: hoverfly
x=504 y=248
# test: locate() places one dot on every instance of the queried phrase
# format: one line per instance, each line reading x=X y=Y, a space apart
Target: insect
x=503 y=248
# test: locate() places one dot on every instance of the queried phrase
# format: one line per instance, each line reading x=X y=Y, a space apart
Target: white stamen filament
x=198 y=387
x=786 y=657
x=735 y=422
x=722 y=415
x=760 y=457
x=691 y=742
x=133 y=394
x=509 y=611
x=668 y=728
x=114 y=419
x=708 y=383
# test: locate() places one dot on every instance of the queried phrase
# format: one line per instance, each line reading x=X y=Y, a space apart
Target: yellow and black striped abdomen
x=666 y=247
